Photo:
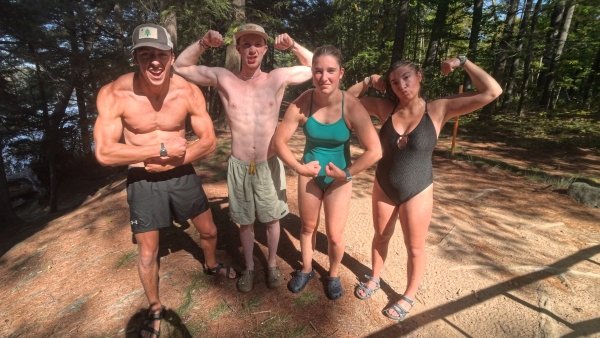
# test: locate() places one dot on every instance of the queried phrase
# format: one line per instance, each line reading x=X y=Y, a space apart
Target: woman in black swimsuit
x=403 y=187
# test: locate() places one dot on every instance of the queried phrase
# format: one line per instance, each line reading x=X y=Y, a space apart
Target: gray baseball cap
x=151 y=35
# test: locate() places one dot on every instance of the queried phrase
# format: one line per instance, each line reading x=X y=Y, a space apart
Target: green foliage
x=58 y=45
x=565 y=129
x=194 y=18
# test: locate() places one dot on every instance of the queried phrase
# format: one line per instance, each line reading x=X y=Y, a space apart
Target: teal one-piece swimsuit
x=326 y=143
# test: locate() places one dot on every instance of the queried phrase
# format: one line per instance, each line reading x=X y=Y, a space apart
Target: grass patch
x=560 y=129
x=306 y=298
x=196 y=328
x=126 y=258
x=198 y=283
x=531 y=173
x=252 y=304
x=219 y=310
x=279 y=326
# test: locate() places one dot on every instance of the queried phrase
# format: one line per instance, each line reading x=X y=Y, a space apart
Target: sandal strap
x=158 y=315
x=151 y=330
x=402 y=312
x=150 y=318
x=368 y=291
x=408 y=300
x=377 y=280
x=214 y=270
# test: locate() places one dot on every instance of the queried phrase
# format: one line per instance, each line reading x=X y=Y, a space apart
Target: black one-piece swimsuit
x=403 y=173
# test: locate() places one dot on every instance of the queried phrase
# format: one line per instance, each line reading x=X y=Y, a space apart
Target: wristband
x=348 y=175
x=292 y=46
x=368 y=81
x=202 y=44
x=462 y=60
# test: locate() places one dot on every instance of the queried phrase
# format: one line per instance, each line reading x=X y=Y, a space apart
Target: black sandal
x=216 y=271
x=299 y=281
x=151 y=317
x=334 y=288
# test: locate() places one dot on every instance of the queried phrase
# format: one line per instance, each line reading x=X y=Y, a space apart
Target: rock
x=585 y=193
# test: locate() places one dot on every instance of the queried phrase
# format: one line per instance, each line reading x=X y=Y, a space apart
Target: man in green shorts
x=251 y=98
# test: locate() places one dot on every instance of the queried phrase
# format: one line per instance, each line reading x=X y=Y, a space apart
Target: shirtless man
x=251 y=97
x=148 y=109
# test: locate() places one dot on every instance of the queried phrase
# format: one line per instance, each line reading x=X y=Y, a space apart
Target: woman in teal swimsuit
x=325 y=173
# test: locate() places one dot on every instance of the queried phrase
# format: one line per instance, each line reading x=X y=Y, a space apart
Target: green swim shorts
x=256 y=191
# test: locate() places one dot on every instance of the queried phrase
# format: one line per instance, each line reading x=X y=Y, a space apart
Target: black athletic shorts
x=153 y=196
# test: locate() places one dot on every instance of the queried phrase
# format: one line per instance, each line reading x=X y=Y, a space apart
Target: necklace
x=245 y=78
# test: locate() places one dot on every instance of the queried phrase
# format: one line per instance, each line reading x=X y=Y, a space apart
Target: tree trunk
x=503 y=51
x=232 y=57
x=54 y=142
x=86 y=146
x=400 y=36
x=515 y=60
x=7 y=215
x=550 y=76
x=78 y=62
x=168 y=18
x=505 y=45
x=528 y=56
x=437 y=33
x=474 y=37
x=550 y=47
x=586 y=88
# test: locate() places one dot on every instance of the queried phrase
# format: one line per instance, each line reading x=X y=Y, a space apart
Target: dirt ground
x=507 y=257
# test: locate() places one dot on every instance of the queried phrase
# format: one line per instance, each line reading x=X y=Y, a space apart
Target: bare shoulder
x=351 y=101
x=304 y=99
x=300 y=107
x=180 y=83
x=121 y=84
x=378 y=106
x=437 y=108
x=284 y=73
x=115 y=94
x=353 y=105
x=186 y=90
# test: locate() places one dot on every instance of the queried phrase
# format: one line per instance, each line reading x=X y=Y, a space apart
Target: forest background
x=55 y=55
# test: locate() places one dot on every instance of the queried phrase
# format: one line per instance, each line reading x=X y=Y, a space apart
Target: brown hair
x=328 y=50
x=398 y=64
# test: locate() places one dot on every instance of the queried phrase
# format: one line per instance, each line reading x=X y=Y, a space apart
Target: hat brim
x=156 y=45
x=243 y=33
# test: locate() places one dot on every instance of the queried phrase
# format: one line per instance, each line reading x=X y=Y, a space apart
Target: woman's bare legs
x=415 y=217
x=309 y=205
x=336 y=202
x=385 y=216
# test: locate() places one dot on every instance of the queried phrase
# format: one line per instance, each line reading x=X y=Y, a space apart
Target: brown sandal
x=151 y=317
